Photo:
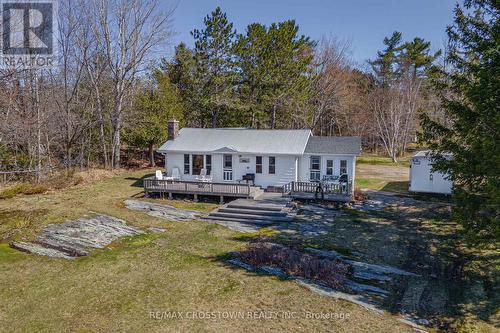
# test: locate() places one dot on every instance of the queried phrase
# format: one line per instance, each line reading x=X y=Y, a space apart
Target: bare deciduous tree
x=129 y=31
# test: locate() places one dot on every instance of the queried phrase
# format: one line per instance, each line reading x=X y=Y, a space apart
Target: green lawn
x=383 y=185
x=117 y=288
x=382 y=160
x=381 y=175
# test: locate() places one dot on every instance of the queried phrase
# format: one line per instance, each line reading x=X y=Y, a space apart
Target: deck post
x=170 y=196
x=221 y=201
x=195 y=199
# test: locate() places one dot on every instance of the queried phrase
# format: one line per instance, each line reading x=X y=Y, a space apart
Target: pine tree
x=153 y=108
x=387 y=59
x=276 y=63
x=183 y=74
x=216 y=71
x=470 y=94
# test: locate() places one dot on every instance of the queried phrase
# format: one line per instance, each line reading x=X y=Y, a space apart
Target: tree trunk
x=116 y=123
x=102 y=137
x=151 y=155
x=214 y=119
x=116 y=144
x=273 y=117
x=38 y=127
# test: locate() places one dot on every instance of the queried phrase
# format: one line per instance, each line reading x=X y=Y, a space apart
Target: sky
x=364 y=23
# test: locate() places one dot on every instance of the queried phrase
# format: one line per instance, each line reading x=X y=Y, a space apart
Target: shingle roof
x=428 y=153
x=292 y=142
x=350 y=145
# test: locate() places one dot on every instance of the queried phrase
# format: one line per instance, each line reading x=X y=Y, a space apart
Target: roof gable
x=227 y=149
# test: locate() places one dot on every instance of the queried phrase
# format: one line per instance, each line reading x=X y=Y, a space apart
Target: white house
x=423 y=179
x=272 y=157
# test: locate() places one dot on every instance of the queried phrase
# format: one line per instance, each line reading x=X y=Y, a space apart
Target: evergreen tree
x=387 y=59
x=416 y=57
x=216 y=73
x=153 y=108
x=470 y=95
x=276 y=63
x=182 y=72
x=252 y=53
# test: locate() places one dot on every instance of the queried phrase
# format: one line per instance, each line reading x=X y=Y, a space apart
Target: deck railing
x=344 y=188
x=195 y=187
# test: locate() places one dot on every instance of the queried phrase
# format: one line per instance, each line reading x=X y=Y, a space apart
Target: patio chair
x=203 y=177
x=176 y=174
x=159 y=175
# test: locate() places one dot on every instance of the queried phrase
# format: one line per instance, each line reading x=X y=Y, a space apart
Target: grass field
x=118 y=288
x=381 y=160
x=382 y=176
x=130 y=285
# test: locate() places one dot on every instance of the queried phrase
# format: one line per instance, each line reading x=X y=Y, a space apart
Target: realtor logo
x=28 y=38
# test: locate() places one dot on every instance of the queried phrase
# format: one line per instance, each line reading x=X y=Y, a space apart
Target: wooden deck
x=236 y=190
x=341 y=192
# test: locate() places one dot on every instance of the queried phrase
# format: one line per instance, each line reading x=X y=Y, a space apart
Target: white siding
x=305 y=165
x=286 y=168
x=421 y=180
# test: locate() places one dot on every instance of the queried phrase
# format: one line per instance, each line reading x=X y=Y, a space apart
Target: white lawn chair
x=159 y=175
x=202 y=175
x=208 y=178
x=176 y=174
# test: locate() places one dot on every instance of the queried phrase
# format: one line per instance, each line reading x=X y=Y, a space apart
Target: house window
x=343 y=167
x=315 y=168
x=228 y=161
x=272 y=165
x=186 y=164
x=258 y=164
x=197 y=164
x=329 y=167
x=208 y=164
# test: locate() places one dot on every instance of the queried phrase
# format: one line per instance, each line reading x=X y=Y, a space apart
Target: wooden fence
x=318 y=187
x=194 y=187
x=7 y=176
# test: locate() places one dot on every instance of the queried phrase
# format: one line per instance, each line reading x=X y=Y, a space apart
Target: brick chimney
x=173 y=129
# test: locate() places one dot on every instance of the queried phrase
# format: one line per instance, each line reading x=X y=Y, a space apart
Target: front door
x=227 y=167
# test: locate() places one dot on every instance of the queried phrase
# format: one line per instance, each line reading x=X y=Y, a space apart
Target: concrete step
x=251 y=217
x=251 y=211
x=255 y=206
x=242 y=221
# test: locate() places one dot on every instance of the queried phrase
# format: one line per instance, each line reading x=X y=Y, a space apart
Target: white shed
x=423 y=179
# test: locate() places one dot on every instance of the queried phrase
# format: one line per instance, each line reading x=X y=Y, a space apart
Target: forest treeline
x=114 y=86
